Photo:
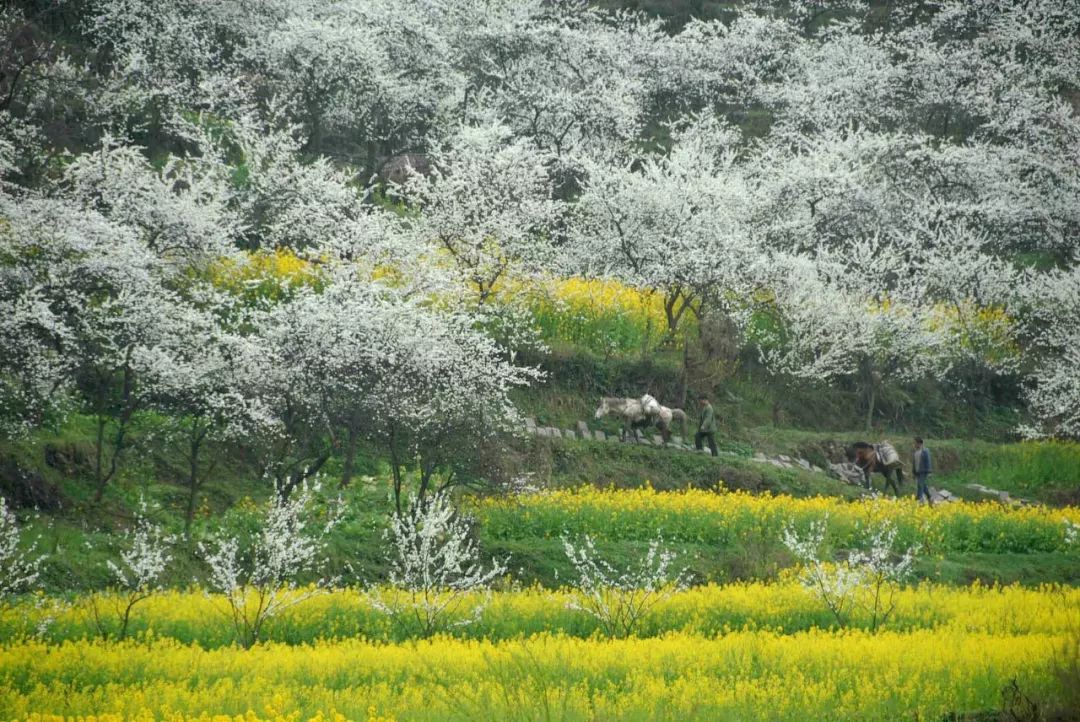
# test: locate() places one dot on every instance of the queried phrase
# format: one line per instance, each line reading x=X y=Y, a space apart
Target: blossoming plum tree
x=434 y=563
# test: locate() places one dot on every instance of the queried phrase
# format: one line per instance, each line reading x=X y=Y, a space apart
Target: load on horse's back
x=882 y=458
x=663 y=415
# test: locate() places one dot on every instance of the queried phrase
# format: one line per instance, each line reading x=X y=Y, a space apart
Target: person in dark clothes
x=920 y=466
x=706 y=427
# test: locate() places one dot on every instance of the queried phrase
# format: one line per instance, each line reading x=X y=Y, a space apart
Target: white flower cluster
x=257 y=577
x=142 y=565
x=619 y=598
x=864 y=583
x=20 y=565
x=434 y=561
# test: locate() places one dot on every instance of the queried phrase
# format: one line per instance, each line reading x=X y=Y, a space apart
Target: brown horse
x=881 y=458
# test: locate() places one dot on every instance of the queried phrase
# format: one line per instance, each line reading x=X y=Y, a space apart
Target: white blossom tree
x=435 y=568
x=137 y=575
x=20 y=564
x=865 y=582
x=619 y=598
x=257 y=576
x=485 y=209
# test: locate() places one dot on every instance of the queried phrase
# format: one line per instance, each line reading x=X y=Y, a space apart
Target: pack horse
x=637 y=414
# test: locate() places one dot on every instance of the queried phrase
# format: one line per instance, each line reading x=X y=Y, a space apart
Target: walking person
x=706 y=427
x=920 y=466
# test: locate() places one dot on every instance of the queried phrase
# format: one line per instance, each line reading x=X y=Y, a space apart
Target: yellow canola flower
x=193 y=617
x=604 y=315
x=925 y=674
x=728 y=518
x=263 y=273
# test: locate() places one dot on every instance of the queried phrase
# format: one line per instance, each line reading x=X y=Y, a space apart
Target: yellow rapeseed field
x=762 y=675
x=726 y=519
x=193 y=617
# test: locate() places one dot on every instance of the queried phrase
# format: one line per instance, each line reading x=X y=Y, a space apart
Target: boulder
x=26 y=488
x=847 y=472
x=398 y=168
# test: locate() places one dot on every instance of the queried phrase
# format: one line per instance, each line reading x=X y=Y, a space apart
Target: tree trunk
x=871 y=399
x=198 y=434
x=684 y=390
x=99 y=451
x=395 y=469
x=350 y=456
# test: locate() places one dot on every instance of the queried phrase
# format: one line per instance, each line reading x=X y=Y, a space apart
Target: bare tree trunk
x=684 y=390
x=198 y=435
x=870 y=401
x=350 y=456
x=395 y=467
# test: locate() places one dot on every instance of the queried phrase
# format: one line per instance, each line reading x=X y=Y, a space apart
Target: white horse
x=640 y=414
x=630 y=411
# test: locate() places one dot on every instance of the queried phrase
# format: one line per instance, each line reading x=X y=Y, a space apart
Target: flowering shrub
x=620 y=598
x=256 y=577
x=434 y=564
x=137 y=575
x=19 y=565
x=868 y=579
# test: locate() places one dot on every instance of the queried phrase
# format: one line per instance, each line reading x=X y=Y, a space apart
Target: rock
x=658 y=440
x=26 y=488
x=677 y=440
x=530 y=423
x=600 y=435
x=818 y=469
x=847 y=472
x=68 y=459
x=803 y=463
x=777 y=463
x=583 y=429
x=785 y=459
x=398 y=168
x=569 y=434
x=1004 y=498
x=760 y=457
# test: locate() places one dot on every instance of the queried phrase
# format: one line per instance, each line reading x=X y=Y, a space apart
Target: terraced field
x=748 y=651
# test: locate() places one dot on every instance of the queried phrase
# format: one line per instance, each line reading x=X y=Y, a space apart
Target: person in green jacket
x=707 y=426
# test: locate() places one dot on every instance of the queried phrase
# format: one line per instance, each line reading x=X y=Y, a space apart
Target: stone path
x=1002 y=496
x=582 y=431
